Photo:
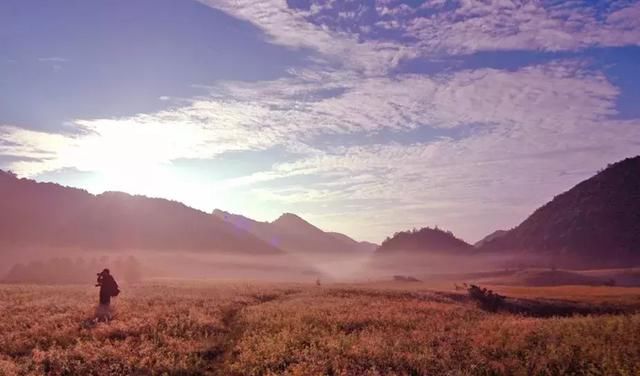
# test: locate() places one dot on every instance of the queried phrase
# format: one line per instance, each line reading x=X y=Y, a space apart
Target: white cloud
x=544 y=126
x=489 y=180
x=290 y=28
x=469 y=27
x=505 y=25
x=292 y=112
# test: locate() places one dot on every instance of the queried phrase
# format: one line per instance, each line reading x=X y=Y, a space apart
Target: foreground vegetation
x=261 y=329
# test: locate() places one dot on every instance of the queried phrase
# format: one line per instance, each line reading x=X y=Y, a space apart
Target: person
x=108 y=287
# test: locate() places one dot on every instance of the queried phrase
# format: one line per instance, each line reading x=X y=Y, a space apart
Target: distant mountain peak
x=220 y=213
x=290 y=219
x=294 y=234
x=289 y=215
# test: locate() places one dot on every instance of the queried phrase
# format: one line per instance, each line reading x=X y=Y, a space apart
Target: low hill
x=594 y=224
x=293 y=234
x=419 y=253
x=44 y=215
x=424 y=240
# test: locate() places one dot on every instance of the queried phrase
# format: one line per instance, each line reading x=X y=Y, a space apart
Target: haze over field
x=593 y=225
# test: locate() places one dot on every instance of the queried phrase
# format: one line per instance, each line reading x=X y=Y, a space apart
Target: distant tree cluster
x=65 y=270
x=426 y=238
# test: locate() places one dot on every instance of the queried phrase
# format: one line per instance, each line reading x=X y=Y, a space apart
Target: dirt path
x=220 y=354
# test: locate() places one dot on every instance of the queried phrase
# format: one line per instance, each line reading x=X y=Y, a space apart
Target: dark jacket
x=108 y=285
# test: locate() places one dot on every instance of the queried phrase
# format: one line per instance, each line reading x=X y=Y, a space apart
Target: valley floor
x=294 y=329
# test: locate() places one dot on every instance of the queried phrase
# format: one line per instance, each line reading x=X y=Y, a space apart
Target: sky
x=364 y=117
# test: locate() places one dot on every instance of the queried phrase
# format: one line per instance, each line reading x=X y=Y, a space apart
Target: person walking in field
x=108 y=287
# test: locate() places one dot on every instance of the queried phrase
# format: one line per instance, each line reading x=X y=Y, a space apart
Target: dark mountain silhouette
x=494 y=235
x=424 y=240
x=419 y=252
x=293 y=234
x=595 y=223
x=51 y=215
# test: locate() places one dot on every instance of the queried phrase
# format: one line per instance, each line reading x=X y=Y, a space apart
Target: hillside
x=50 y=215
x=362 y=246
x=595 y=223
x=494 y=235
x=293 y=234
x=424 y=240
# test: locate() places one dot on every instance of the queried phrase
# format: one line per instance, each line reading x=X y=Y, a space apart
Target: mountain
x=362 y=246
x=494 y=235
x=424 y=240
x=595 y=223
x=36 y=214
x=292 y=224
x=293 y=234
x=420 y=252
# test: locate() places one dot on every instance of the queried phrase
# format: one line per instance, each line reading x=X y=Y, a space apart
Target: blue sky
x=366 y=117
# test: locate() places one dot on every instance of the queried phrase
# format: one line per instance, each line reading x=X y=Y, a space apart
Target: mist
x=55 y=265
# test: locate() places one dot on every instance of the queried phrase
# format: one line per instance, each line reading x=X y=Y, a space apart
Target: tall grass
x=248 y=329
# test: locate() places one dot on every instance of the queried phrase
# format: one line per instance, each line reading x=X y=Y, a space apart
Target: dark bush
x=487 y=299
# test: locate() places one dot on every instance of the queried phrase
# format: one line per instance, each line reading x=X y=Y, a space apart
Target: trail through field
x=221 y=352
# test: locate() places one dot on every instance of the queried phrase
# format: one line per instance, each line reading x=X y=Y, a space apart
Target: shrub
x=487 y=299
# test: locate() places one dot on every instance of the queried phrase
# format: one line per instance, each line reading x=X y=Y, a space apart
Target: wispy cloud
x=514 y=25
x=374 y=38
x=291 y=112
x=490 y=180
x=53 y=59
x=293 y=28
x=544 y=125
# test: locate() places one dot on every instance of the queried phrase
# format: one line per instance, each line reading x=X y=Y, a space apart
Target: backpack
x=113 y=287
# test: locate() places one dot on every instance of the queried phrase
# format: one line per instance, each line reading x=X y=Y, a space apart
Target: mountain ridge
x=596 y=222
x=294 y=234
x=48 y=214
x=494 y=235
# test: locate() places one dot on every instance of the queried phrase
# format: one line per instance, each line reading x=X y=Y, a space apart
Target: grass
x=286 y=329
x=626 y=296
